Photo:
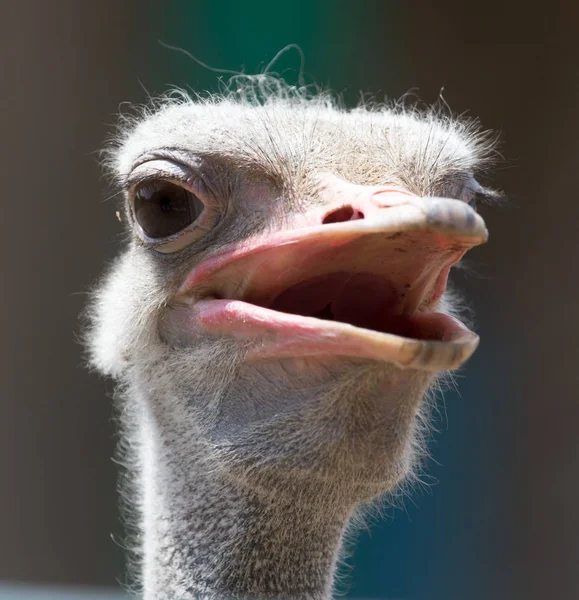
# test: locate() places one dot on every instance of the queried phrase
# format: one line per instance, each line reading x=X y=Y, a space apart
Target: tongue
x=364 y=299
x=358 y=299
x=311 y=296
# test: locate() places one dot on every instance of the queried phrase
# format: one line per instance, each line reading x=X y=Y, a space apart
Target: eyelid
x=165 y=170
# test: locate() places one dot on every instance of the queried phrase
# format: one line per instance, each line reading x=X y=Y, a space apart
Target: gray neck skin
x=208 y=536
x=238 y=507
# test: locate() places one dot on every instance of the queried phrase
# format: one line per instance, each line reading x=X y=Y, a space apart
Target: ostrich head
x=281 y=308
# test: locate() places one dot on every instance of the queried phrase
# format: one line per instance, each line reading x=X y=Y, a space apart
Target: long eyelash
x=489 y=197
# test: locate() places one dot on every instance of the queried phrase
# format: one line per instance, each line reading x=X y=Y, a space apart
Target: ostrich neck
x=207 y=535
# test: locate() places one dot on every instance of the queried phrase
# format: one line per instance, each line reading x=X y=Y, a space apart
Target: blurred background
x=499 y=517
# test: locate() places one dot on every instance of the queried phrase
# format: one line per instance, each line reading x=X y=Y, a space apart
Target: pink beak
x=360 y=275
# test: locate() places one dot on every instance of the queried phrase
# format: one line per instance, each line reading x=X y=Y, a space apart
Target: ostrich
x=276 y=322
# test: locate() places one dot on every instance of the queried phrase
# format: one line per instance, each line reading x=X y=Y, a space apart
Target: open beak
x=367 y=287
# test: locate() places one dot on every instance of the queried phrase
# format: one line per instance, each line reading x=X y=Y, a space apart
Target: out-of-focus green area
x=338 y=43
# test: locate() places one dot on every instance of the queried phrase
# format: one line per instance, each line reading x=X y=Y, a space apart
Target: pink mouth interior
x=364 y=300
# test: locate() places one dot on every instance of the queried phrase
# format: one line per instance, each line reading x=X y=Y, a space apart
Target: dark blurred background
x=499 y=515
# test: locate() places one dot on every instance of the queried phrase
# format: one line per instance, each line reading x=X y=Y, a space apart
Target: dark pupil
x=165 y=209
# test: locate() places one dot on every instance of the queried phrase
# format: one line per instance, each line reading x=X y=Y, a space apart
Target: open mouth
x=368 y=288
x=365 y=300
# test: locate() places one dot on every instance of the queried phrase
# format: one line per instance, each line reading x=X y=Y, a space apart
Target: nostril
x=344 y=213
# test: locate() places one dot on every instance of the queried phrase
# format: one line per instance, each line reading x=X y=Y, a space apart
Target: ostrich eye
x=162 y=209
